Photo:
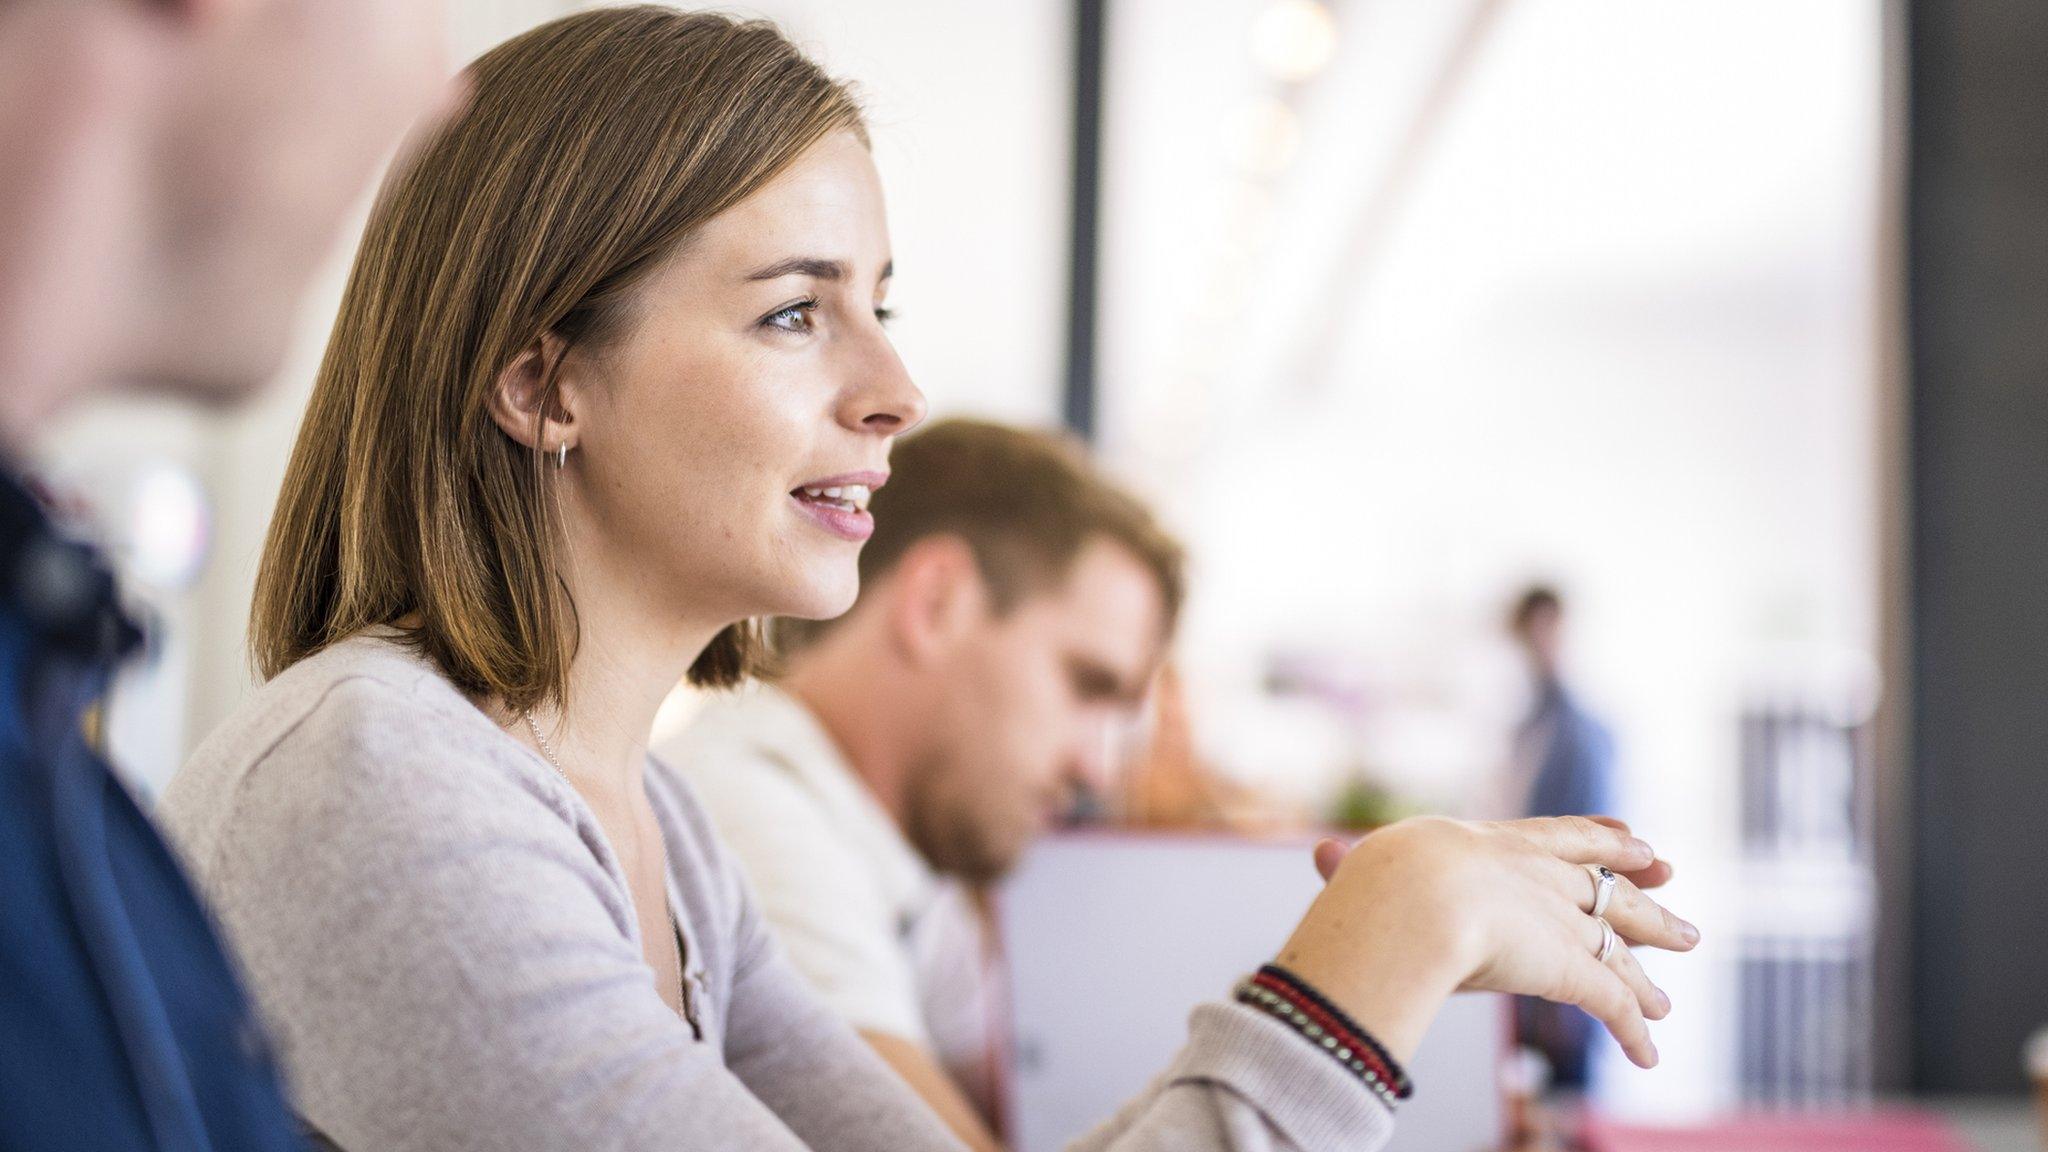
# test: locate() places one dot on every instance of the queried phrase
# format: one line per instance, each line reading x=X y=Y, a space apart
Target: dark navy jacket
x=121 y=1023
x=1575 y=775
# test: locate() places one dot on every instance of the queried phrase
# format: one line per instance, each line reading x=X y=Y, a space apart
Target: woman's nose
x=885 y=400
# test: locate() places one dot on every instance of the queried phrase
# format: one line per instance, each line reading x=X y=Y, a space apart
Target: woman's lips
x=854 y=524
x=839 y=504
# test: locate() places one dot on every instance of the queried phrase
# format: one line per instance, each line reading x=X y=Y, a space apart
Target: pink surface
x=1889 y=1131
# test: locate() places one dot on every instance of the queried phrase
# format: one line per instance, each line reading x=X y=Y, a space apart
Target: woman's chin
x=822 y=600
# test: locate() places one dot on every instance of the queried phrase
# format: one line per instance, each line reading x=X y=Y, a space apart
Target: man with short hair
x=1014 y=606
x=174 y=171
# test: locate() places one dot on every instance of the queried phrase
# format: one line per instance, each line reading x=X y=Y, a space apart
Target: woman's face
x=724 y=447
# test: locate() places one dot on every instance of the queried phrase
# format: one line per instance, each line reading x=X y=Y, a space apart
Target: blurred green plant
x=1363 y=803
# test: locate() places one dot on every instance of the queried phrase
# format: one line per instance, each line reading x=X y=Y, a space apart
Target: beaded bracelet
x=1362 y=1047
x=1396 y=1075
x=1287 y=997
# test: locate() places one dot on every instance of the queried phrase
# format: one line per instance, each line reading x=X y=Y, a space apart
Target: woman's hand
x=1430 y=906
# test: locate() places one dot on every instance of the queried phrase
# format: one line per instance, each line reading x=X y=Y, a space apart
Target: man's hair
x=591 y=149
x=1025 y=502
x=1534 y=600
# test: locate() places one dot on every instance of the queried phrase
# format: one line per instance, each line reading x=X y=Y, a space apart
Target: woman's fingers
x=1639 y=919
x=1329 y=854
x=1650 y=999
x=1607 y=997
x=1656 y=875
x=1581 y=840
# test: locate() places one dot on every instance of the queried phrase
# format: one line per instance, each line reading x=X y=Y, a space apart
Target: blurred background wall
x=1409 y=304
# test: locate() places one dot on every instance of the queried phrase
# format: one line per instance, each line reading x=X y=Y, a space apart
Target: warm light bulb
x=1294 y=39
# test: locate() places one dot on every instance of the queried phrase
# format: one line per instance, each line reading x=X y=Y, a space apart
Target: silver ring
x=1603 y=888
x=1607 y=940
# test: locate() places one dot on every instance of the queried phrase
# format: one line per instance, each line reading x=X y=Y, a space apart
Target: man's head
x=1014 y=605
x=189 y=163
x=1537 y=624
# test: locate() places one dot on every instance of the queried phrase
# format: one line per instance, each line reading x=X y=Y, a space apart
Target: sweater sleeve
x=1246 y=1083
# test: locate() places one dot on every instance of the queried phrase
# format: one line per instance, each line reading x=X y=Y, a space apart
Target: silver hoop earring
x=562 y=455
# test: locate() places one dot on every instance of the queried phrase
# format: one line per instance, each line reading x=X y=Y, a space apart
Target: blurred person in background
x=1014 y=606
x=1563 y=765
x=173 y=173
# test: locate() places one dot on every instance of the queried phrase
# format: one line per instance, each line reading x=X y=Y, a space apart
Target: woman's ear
x=523 y=387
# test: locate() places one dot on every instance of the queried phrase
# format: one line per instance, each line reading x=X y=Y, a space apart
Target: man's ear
x=936 y=598
x=521 y=388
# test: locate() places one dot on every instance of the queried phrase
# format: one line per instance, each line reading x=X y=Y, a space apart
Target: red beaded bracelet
x=1282 y=994
x=1395 y=1075
x=1345 y=1035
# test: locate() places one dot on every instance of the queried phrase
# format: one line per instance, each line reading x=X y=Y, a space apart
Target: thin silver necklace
x=683 y=996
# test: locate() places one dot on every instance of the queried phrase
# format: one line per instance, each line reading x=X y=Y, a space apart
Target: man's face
x=1542 y=638
x=72 y=78
x=1030 y=701
x=272 y=117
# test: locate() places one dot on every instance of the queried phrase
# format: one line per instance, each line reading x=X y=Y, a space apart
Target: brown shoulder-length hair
x=590 y=149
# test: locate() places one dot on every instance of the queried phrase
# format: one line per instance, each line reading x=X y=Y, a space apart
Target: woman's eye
x=795 y=318
x=885 y=315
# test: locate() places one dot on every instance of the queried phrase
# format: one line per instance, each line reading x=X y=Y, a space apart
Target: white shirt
x=891 y=946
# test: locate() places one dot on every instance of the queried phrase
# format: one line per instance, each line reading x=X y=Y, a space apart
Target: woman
x=610 y=379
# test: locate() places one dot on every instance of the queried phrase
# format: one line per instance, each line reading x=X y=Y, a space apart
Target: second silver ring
x=1608 y=940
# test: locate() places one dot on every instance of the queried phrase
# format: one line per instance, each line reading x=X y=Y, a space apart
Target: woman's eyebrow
x=816 y=267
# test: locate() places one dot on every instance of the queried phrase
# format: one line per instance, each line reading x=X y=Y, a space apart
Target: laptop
x=1112 y=938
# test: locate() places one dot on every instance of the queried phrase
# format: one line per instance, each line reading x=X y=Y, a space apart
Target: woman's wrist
x=1383 y=942
x=1393 y=997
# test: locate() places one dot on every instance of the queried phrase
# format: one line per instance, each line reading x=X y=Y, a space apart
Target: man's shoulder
x=767 y=793
x=172 y=966
x=727 y=726
x=747 y=751
x=759 y=805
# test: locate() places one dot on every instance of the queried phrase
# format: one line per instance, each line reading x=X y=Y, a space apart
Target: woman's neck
x=626 y=662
